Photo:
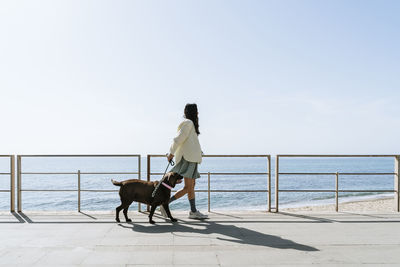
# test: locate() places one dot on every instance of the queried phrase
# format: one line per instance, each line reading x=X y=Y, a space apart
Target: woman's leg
x=191 y=196
x=191 y=188
x=186 y=188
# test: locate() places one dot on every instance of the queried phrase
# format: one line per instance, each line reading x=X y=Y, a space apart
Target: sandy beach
x=386 y=204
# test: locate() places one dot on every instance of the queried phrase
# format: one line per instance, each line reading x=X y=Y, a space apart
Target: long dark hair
x=191 y=114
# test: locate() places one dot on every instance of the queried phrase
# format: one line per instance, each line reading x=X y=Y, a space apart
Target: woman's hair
x=191 y=114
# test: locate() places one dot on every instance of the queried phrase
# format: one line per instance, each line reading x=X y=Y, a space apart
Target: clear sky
x=269 y=77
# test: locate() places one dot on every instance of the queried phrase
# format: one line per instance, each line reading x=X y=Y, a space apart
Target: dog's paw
x=117 y=219
x=173 y=220
x=128 y=220
x=152 y=222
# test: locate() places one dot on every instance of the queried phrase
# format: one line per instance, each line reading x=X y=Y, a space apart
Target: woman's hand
x=170 y=157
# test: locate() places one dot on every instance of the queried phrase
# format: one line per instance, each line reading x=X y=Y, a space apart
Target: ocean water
x=219 y=201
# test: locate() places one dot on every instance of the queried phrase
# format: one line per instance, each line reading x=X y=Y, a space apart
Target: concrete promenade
x=226 y=239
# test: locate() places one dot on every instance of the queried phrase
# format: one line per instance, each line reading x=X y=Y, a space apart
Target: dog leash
x=172 y=163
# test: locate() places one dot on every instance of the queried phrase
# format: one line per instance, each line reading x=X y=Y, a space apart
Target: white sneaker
x=197 y=215
x=163 y=212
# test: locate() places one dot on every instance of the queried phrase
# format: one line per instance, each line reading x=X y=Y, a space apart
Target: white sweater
x=186 y=144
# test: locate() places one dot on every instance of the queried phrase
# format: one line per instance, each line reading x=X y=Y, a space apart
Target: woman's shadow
x=233 y=233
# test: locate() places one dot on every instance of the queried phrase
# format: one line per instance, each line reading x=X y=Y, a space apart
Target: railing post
x=337 y=192
x=19 y=191
x=277 y=184
x=148 y=175
x=269 y=183
x=12 y=183
x=397 y=182
x=79 y=190
x=140 y=177
x=209 y=192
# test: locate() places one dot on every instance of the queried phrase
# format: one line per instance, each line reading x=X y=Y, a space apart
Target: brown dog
x=140 y=191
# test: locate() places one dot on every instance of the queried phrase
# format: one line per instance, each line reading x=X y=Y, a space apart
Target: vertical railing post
x=79 y=190
x=269 y=183
x=19 y=191
x=148 y=175
x=397 y=182
x=140 y=177
x=277 y=184
x=12 y=183
x=337 y=192
x=209 y=204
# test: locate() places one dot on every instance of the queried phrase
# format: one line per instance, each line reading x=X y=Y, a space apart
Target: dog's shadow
x=233 y=233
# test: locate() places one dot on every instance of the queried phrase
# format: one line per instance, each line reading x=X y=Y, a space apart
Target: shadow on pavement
x=233 y=233
x=17 y=216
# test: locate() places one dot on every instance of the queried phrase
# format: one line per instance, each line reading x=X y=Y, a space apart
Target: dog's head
x=173 y=178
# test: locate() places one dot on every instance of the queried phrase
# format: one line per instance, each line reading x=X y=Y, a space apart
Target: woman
x=187 y=152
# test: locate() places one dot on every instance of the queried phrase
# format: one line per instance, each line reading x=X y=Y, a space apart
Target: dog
x=140 y=191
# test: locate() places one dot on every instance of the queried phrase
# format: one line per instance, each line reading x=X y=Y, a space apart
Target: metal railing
x=396 y=189
x=11 y=173
x=209 y=190
x=78 y=174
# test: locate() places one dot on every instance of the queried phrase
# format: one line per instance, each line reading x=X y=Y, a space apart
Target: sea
x=108 y=201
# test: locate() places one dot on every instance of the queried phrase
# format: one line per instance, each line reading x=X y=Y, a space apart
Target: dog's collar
x=166 y=185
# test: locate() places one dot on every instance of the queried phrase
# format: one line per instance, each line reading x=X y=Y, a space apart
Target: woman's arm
x=181 y=137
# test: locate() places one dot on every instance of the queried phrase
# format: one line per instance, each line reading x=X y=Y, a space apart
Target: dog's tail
x=116 y=183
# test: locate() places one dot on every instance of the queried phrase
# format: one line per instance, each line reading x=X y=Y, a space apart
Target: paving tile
x=187 y=257
x=105 y=257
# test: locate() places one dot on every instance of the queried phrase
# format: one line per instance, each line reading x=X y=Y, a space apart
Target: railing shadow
x=240 y=235
x=308 y=217
x=87 y=215
x=25 y=217
x=315 y=219
x=17 y=216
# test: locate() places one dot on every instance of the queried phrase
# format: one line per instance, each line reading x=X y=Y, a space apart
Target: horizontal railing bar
x=332 y=191
x=306 y=190
x=227 y=191
x=5 y=156
x=334 y=156
x=340 y=173
x=368 y=191
x=66 y=190
x=49 y=190
x=5 y=173
x=109 y=173
x=93 y=190
x=99 y=155
x=71 y=173
x=223 y=173
x=235 y=173
x=307 y=173
x=237 y=156
x=234 y=191
x=90 y=190
x=369 y=173
x=230 y=156
x=3 y=191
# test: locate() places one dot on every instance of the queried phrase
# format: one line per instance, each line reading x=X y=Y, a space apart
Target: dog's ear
x=173 y=178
